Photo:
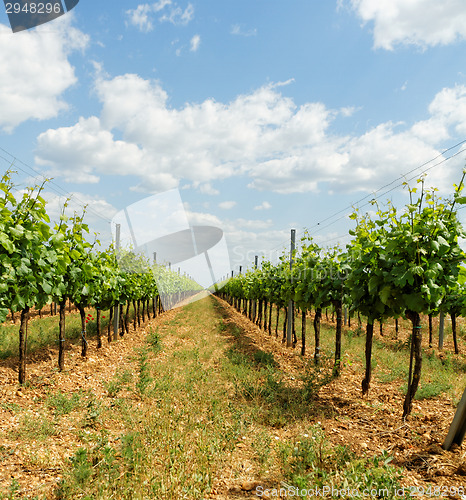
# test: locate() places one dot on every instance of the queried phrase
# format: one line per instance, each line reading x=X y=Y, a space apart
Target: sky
x=266 y=115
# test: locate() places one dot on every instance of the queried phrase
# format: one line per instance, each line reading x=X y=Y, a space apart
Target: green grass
x=312 y=461
x=390 y=356
x=176 y=435
x=63 y=404
x=44 y=332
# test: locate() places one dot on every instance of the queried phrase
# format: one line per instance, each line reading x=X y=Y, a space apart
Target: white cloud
x=227 y=205
x=195 y=42
x=36 y=71
x=236 y=29
x=414 y=22
x=142 y=17
x=160 y=5
x=265 y=205
x=179 y=16
x=76 y=152
x=207 y=189
x=94 y=206
x=262 y=136
x=139 y=17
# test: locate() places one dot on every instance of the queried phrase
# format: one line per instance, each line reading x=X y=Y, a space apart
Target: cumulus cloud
x=142 y=17
x=36 y=71
x=265 y=205
x=96 y=207
x=178 y=15
x=74 y=153
x=415 y=22
x=227 y=205
x=195 y=42
x=236 y=29
x=261 y=136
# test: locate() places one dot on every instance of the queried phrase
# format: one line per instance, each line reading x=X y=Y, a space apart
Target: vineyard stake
x=458 y=426
x=289 y=332
x=116 y=314
x=441 y=326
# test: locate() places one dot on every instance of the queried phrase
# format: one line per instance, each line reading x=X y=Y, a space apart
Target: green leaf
x=17 y=231
x=414 y=302
x=6 y=243
x=373 y=282
x=442 y=241
x=385 y=294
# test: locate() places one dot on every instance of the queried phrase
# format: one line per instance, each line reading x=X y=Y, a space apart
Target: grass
x=193 y=406
x=35 y=427
x=390 y=356
x=311 y=461
x=44 y=332
x=63 y=404
x=178 y=433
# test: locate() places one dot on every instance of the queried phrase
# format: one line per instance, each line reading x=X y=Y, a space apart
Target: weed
x=236 y=331
x=264 y=358
x=93 y=411
x=222 y=327
x=5 y=452
x=273 y=417
x=153 y=339
x=32 y=426
x=13 y=407
x=313 y=461
x=63 y=404
x=262 y=447
x=15 y=489
x=120 y=381
x=144 y=377
x=236 y=357
x=315 y=377
x=81 y=467
x=358 y=331
x=132 y=451
x=429 y=390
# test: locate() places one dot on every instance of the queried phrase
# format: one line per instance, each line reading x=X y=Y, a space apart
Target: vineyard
x=400 y=264
x=206 y=401
x=41 y=264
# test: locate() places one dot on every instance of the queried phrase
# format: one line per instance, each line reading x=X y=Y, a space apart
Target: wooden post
x=116 y=313
x=441 y=326
x=289 y=331
x=458 y=426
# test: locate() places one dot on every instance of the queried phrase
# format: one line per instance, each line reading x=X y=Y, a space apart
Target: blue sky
x=267 y=115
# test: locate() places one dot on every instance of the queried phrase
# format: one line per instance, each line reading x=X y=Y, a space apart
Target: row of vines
x=43 y=262
x=399 y=264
